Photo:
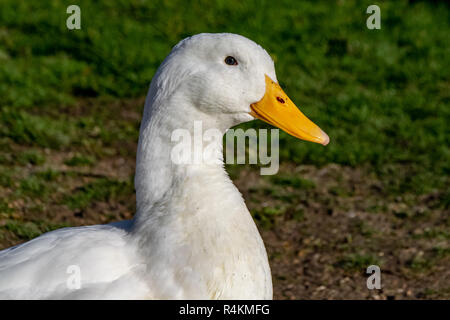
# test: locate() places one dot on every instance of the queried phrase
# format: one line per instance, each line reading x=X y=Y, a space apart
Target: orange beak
x=277 y=109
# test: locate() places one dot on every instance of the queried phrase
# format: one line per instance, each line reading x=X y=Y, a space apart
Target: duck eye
x=231 y=61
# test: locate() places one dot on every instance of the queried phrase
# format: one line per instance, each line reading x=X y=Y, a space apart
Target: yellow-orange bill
x=277 y=109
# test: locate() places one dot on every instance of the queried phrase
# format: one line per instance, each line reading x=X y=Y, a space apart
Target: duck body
x=192 y=236
x=43 y=267
x=174 y=256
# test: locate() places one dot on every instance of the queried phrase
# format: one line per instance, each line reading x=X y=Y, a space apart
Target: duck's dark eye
x=231 y=61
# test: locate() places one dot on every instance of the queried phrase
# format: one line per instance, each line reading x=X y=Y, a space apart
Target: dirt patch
x=349 y=222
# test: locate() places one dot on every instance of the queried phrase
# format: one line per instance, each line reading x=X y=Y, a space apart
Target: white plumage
x=192 y=236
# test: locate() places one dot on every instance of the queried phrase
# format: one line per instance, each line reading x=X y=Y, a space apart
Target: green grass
x=357 y=261
x=429 y=233
x=267 y=215
x=382 y=95
x=100 y=190
x=32 y=157
x=30 y=230
x=34 y=186
x=4 y=208
x=25 y=128
x=293 y=181
x=80 y=160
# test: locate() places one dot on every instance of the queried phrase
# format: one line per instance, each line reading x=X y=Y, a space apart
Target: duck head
x=231 y=79
x=218 y=80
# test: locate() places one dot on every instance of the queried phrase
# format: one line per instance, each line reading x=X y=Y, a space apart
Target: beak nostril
x=281 y=100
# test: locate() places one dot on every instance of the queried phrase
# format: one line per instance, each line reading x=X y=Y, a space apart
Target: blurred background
x=71 y=103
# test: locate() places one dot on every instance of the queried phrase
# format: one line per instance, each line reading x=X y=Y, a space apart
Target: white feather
x=192 y=236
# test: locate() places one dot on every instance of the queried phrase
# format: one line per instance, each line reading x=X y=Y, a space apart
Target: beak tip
x=326 y=139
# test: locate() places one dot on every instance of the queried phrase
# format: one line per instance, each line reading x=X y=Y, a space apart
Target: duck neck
x=179 y=159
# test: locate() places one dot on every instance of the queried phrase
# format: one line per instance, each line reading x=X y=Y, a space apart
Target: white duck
x=192 y=236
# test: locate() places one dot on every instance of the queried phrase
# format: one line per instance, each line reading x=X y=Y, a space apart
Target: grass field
x=71 y=103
